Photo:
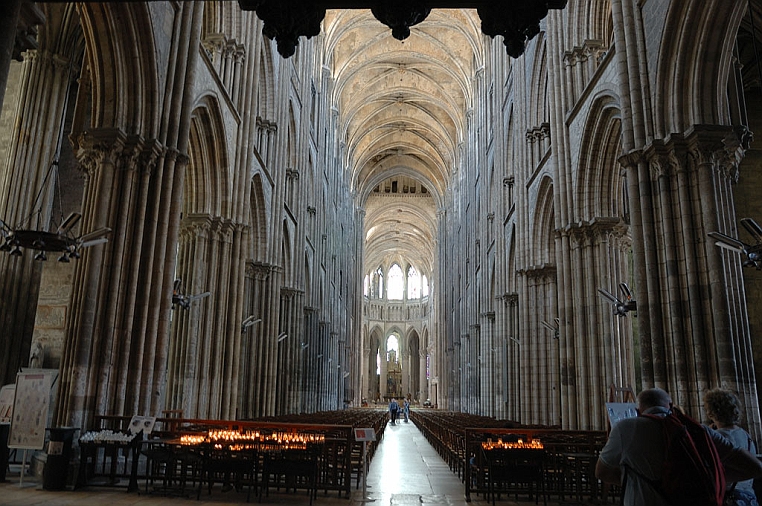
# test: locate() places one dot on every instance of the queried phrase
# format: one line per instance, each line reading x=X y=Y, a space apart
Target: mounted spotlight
x=555 y=328
x=621 y=308
x=282 y=336
x=752 y=253
x=184 y=301
x=248 y=322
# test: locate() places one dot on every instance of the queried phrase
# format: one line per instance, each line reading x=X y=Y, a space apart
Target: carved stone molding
x=511 y=299
x=94 y=147
x=292 y=174
x=258 y=270
x=290 y=292
x=544 y=271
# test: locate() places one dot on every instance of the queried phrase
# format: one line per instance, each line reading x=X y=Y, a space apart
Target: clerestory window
x=396 y=287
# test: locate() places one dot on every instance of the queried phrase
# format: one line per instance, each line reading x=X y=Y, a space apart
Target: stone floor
x=405 y=471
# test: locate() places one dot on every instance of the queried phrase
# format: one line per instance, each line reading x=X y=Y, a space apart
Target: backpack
x=692 y=473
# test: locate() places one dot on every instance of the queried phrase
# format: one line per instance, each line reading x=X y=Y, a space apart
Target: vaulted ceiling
x=402 y=116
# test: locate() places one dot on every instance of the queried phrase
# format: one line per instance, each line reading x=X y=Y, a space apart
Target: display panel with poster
x=30 y=411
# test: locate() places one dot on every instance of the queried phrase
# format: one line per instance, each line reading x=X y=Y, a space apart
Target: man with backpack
x=664 y=458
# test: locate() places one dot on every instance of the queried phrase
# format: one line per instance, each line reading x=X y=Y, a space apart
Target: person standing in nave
x=724 y=409
x=393 y=409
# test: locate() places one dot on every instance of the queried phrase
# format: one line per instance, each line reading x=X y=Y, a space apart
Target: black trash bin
x=59 y=453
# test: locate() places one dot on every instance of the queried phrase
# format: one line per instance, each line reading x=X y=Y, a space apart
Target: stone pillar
x=18 y=35
x=384 y=369
x=27 y=191
x=423 y=389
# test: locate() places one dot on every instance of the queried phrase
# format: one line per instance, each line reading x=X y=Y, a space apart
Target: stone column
x=27 y=190
x=82 y=362
x=18 y=19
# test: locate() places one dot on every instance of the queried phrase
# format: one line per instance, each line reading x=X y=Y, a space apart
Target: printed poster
x=30 y=411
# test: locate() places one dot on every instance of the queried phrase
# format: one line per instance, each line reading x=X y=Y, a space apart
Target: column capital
x=259 y=271
x=95 y=147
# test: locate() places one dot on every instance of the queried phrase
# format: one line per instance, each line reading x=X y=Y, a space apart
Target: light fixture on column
x=555 y=328
x=752 y=254
x=621 y=307
x=282 y=336
x=184 y=301
x=248 y=322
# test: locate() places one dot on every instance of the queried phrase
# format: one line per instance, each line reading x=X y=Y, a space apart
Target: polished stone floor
x=405 y=471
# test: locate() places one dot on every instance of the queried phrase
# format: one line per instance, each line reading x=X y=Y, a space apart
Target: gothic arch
x=291 y=147
x=62 y=17
x=538 y=102
x=544 y=225
x=287 y=248
x=692 y=85
x=206 y=183
x=308 y=261
x=412 y=372
x=600 y=186
x=266 y=86
x=122 y=59
x=223 y=17
x=590 y=20
x=259 y=230
x=511 y=258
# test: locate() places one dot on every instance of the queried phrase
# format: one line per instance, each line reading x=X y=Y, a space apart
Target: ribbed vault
x=402 y=116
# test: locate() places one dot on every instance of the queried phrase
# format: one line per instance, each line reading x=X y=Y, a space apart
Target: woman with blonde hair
x=724 y=409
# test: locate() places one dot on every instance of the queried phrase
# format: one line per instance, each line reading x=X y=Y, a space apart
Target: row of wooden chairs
x=564 y=468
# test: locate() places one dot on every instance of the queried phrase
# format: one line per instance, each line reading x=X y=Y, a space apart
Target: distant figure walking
x=393 y=410
x=406 y=410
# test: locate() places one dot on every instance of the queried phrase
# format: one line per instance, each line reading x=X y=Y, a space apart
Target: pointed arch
x=207 y=183
x=122 y=60
x=544 y=225
x=695 y=60
x=259 y=231
x=600 y=187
